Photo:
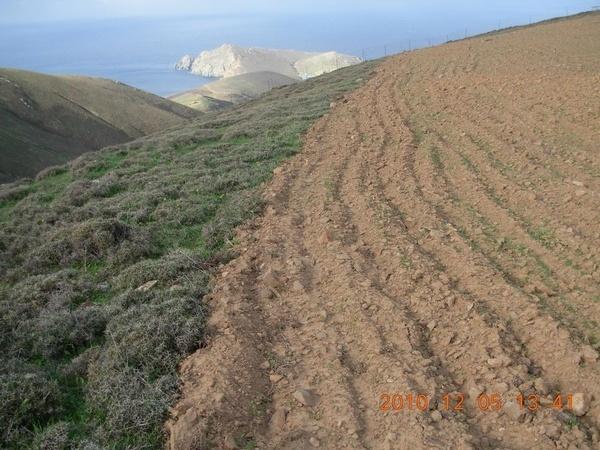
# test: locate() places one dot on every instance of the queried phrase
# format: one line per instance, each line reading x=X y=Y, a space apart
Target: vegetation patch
x=105 y=262
x=544 y=236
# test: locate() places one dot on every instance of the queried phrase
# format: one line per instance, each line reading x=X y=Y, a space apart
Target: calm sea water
x=142 y=52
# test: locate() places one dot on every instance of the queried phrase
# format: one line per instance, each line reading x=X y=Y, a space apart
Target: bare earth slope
x=438 y=234
x=47 y=120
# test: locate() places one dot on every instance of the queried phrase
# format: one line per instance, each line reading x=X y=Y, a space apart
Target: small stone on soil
x=581 y=404
x=306 y=397
x=513 y=410
x=147 y=286
x=278 y=419
x=589 y=354
x=551 y=430
x=541 y=386
x=275 y=377
x=436 y=416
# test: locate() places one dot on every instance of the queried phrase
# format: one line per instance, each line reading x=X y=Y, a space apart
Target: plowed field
x=437 y=236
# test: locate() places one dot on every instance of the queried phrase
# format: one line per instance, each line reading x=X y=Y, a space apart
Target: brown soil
x=438 y=234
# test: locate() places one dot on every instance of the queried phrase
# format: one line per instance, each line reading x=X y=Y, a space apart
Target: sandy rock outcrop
x=323 y=63
x=185 y=63
x=231 y=60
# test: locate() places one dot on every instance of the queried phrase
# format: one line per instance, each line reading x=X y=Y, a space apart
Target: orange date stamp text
x=456 y=402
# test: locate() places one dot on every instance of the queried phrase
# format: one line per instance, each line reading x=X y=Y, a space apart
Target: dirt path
x=437 y=235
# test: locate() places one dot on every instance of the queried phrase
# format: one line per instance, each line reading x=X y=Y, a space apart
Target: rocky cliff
x=230 y=60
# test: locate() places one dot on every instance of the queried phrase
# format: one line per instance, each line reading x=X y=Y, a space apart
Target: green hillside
x=104 y=263
x=47 y=120
x=232 y=90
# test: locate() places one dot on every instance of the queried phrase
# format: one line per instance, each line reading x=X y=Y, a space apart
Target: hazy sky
x=138 y=41
x=36 y=10
x=20 y=11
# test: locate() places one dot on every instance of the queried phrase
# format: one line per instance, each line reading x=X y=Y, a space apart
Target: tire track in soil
x=365 y=276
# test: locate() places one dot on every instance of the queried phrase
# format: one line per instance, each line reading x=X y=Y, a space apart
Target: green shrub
x=51 y=172
x=107 y=186
x=153 y=337
x=55 y=437
x=77 y=368
x=78 y=192
x=175 y=267
x=28 y=397
x=62 y=332
x=14 y=192
x=131 y=407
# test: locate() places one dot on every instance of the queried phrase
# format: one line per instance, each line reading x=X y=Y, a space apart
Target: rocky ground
x=438 y=235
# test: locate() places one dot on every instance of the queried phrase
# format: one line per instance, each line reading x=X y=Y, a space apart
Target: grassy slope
x=232 y=90
x=201 y=101
x=47 y=120
x=87 y=356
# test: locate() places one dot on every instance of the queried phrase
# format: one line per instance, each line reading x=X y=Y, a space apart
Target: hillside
x=399 y=254
x=230 y=60
x=232 y=90
x=426 y=274
x=105 y=263
x=47 y=120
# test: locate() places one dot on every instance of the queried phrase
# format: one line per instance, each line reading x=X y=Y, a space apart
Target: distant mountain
x=232 y=90
x=47 y=120
x=230 y=60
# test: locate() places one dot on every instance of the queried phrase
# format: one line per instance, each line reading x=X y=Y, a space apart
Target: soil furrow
x=401 y=254
x=482 y=363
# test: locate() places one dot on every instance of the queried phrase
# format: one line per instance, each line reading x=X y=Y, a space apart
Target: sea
x=142 y=52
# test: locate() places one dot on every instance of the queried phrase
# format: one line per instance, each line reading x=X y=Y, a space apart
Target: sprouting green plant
x=544 y=236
